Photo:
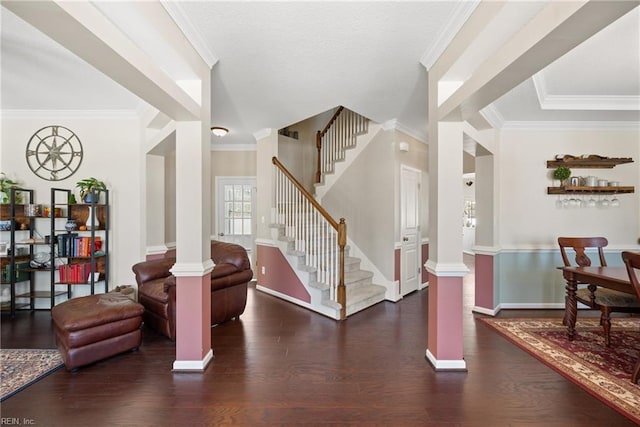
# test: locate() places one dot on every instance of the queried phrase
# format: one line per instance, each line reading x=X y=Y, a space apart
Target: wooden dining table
x=616 y=278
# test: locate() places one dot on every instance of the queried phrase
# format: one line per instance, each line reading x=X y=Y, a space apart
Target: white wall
x=300 y=155
x=529 y=222
x=111 y=154
x=417 y=158
x=529 y=217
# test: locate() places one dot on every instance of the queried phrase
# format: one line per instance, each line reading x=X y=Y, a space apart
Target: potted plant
x=6 y=184
x=87 y=186
x=562 y=173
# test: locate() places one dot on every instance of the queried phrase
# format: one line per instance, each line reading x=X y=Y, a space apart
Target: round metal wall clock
x=54 y=153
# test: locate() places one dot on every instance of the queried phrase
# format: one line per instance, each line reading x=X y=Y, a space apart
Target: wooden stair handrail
x=340 y=227
x=319 y=136
x=333 y=119
x=307 y=195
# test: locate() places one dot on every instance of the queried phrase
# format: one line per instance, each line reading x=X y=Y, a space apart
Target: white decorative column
x=486 y=298
x=445 y=265
x=193 y=251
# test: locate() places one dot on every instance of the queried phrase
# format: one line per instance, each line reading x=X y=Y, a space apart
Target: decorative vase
x=70 y=225
x=91 y=197
x=92 y=214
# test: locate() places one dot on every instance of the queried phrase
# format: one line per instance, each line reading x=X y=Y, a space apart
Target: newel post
x=342 y=291
x=318 y=165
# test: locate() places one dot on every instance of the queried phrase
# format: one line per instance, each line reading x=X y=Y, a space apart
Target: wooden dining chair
x=632 y=262
x=605 y=300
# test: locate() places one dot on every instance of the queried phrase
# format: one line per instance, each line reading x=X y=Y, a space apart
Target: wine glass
x=615 y=202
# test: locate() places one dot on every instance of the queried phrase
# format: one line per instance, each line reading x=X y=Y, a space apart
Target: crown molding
x=262 y=133
x=459 y=16
x=71 y=114
x=591 y=102
x=233 y=147
x=554 y=126
x=190 y=31
x=493 y=116
x=395 y=125
x=548 y=101
x=391 y=124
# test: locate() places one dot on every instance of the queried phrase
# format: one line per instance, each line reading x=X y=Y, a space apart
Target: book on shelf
x=73 y=245
x=74 y=273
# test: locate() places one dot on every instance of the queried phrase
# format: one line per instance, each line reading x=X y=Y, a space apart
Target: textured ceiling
x=281 y=62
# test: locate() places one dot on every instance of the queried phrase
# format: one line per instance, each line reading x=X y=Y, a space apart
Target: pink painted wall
x=397 y=265
x=425 y=258
x=484 y=281
x=445 y=317
x=193 y=317
x=278 y=274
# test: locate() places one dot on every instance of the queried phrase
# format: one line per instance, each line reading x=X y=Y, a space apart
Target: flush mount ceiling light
x=219 y=131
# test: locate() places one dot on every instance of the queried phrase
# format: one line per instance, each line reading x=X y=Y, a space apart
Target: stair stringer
x=392 y=292
x=306 y=276
x=329 y=179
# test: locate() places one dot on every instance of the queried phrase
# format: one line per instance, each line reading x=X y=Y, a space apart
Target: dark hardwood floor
x=283 y=365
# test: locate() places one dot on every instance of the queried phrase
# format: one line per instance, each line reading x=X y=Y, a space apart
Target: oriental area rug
x=604 y=372
x=19 y=368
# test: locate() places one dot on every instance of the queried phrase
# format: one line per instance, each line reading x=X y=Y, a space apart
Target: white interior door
x=235 y=207
x=410 y=252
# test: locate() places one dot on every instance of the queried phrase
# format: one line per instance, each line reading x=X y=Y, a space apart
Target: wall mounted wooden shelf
x=593 y=190
x=588 y=163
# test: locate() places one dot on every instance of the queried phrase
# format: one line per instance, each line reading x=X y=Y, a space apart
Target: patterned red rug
x=603 y=372
x=19 y=368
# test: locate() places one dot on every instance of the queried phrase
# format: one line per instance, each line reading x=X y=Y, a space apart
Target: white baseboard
x=326 y=311
x=530 y=306
x=446 y=365
x=487 y=311
x=193 y=365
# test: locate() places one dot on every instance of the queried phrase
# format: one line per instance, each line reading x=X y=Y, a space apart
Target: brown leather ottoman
x=95 y=327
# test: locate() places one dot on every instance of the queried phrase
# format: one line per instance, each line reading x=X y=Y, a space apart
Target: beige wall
x=223 y=163
x=110 y=154
x=170 y=198
x=229 y=163
x=367 y=195
x=417 y=158
x=364 y=195
x=529 y=216
x=233 y=163
x=301 y=154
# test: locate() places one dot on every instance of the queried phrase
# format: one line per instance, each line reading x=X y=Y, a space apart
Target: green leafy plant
x=87 y=185
x=6 y=184
x=562 y=173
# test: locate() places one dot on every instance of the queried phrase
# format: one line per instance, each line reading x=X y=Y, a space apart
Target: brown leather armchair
x=229 y=280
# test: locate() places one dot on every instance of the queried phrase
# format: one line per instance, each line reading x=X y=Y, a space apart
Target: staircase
x=314 y=243
x=360 y=292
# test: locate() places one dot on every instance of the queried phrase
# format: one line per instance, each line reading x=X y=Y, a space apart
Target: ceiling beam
x=557 y=29
x=484 y=13
x=84 y=30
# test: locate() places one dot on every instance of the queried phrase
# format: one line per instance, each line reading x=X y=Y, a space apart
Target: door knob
x=221 y=234
x=405 y=239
